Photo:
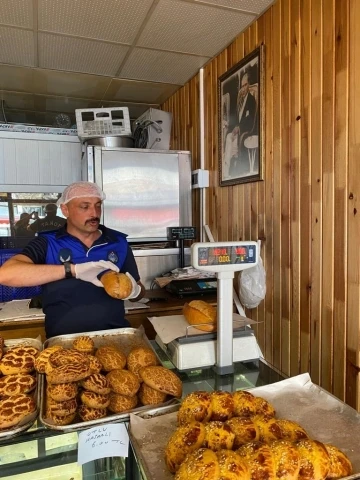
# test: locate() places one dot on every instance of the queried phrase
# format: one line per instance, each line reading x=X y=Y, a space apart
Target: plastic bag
x=252 y=285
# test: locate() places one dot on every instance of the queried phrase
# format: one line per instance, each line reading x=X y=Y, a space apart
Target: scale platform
x=199 y=351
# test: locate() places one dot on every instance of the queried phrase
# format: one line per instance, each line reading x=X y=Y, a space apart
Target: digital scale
x=223 y=348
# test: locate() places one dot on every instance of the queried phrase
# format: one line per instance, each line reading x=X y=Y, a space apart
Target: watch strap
x=68 y=273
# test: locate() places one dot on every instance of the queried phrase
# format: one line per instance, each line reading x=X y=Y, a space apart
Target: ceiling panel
x=79 y=55
x=251 y=6
x=189 y=28
x=157 y=66
x=16 y=46
x=132 y=91
x=17 y=12
x=24 y=101
x=20 y=79
x=113 y=20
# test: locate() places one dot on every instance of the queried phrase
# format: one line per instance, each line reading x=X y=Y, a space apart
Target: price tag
x=103 y=441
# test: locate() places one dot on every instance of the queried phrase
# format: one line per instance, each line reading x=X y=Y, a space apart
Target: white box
x=157 y=124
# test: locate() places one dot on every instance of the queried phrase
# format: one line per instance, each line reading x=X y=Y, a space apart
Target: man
x=68 y=262
x=240 y=129
x=51 y=221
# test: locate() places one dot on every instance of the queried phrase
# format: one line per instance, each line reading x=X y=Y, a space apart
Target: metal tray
x=126 y=339
x=323 y=416
x=29 y=420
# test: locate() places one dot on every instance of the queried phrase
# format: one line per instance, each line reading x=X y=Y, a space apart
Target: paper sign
x=103 y=441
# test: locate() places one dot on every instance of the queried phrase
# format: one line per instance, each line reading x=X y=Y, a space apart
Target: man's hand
x=88 y=272
x=136 y=289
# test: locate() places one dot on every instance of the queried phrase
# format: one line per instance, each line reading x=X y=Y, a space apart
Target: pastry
x=96 y=383
x=149 y=396
x=269 y=428
x=14 y=409
x=222 y=405
x=123 y=382
x=260 y=460
x=218 y=436
x=263 y=407
x=2 y=346
x=60 y=421
x=140 y=357
x=244 y=403
x=60 y=409
x=196 y=406
x=87 y=414
x=61 y=392
x=117 y=285
x=94 y=400
x=11 y=385
x=340 y=465
x=291 y=431
x=84 y=344
x=65 y=356
x=200 y=464
x=24 y=349
x=110 y=358
x=17 y=361
x=244 y=429
x=43 y=358
x=95 y=365
x=314 y=460
x=73 y=372
x=184 y=440
x=286 y=458
x=201 y=315
x=162 y=379
x=121 y=403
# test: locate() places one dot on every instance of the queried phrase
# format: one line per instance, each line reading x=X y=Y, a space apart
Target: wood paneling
x=306 y=211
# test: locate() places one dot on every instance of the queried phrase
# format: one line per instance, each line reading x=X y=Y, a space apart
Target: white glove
x=136 y=289
x=89 y=271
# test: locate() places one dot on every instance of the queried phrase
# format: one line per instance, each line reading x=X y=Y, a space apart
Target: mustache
x=97 y=219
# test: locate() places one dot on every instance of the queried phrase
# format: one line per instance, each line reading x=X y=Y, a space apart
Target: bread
x=2 y=345
x=84 y=344
x=196 y=406
x=60 y=421
x=123 y=382
x=42 y=359
x=88 y=414
x=21 y=349
x=244 y=403
x=62 y=391
x=260 y=460
x=117 y=285
x=12 y=385
x=73 y=372
x=140 y=357
x=149 y=396
x=263 y=407
x=287 y=460
x=94 y=400
x=244 y=429
x=60 y=409
x=200 y=314
x=268 y=427
x=184 y=440
x=65 y=356
x=218 y=436
x=121 y=403
x=110 y=358
x=291 y=430
x=14 y=409
x=96 y=383
x=18 y=360
x=162 y=379
x=222 y=405
x=314 y=460
x=200 y=464
x=340 y=465
x=95 y=365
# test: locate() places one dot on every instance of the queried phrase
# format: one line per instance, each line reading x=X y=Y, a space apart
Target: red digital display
x=240 y=250
x=219 y=251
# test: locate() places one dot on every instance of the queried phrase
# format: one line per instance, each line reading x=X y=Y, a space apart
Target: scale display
x=226 y=255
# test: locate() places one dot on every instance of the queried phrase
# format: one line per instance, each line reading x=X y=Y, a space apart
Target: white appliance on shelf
x=227 y=346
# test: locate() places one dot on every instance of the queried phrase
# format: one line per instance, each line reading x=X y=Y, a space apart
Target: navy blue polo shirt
x=72 y=305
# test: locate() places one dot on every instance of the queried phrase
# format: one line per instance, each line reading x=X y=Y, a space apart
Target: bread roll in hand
x=117 y=285
x=200 y=314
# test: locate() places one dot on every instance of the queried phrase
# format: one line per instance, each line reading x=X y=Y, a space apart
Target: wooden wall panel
x=306 y=211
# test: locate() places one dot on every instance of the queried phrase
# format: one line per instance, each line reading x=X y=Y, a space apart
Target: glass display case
x=44 y=454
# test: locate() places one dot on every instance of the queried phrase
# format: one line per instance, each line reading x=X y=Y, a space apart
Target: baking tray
x=29 y=420
x=126 y=339
x=323 y=416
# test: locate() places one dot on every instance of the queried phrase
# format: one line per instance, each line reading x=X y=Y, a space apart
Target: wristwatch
x=67 y=266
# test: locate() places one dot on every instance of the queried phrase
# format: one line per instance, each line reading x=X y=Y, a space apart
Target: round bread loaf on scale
x=117 y=285
x=201 y=315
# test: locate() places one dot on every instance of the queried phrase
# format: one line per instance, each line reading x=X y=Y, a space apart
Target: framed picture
x=241 y=130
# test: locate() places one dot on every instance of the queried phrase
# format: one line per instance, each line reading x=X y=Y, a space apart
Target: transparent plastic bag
x=252 y=285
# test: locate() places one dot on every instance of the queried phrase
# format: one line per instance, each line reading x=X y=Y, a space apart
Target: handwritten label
x=103 y=441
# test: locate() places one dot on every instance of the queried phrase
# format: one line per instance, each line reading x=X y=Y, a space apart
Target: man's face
x=244 y=86
x=83 y=213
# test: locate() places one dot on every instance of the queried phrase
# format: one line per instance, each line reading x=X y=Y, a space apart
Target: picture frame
x=241 y=123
